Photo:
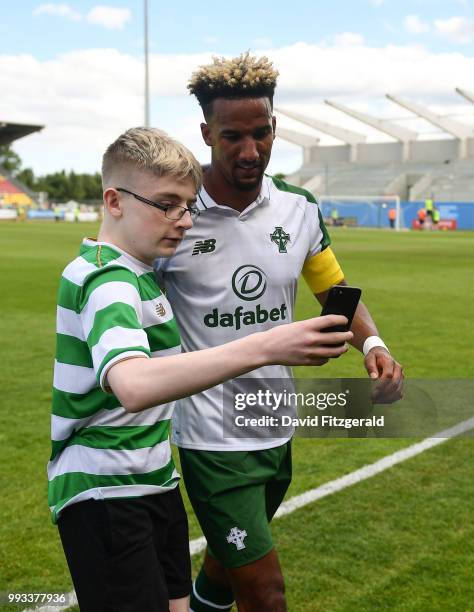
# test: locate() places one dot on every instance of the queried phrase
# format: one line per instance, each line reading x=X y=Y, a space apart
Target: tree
x=27 y=177
x=56 y=185
x=93 y=186
x=75 y=188
x=9 y=159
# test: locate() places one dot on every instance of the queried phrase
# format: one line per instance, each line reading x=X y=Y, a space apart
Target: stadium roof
x=13 y=131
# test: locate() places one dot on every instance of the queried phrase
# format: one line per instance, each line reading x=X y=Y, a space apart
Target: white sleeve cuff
x=121 y=357
x=371 y=342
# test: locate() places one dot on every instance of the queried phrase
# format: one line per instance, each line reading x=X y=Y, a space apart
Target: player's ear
x=112 y=202
x=274 y=125
x=206 y=134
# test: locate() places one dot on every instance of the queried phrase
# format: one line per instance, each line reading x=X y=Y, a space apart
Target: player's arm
x=140 y=383
x=321 y=272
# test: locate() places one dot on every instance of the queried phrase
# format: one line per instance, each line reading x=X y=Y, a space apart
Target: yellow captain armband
x=322 y=271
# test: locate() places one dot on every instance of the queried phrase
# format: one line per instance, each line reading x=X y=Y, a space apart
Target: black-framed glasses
x=173 y=212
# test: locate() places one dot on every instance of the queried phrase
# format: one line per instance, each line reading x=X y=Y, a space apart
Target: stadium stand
x=411 y=168
x=409 y=181
x=12 y=192
x=9 y=132
x=454 y=182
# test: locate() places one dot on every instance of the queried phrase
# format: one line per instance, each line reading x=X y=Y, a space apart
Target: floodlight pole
x=147 y=79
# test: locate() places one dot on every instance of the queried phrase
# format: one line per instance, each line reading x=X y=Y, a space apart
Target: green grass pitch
x=399 y=541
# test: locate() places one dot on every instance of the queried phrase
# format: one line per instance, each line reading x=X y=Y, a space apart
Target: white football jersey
x=235 y=274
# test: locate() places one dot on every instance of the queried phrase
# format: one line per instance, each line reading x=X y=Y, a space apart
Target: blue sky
x=76 y=66
x=187 y=27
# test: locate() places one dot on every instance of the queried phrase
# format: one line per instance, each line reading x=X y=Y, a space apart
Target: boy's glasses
x=173 y=212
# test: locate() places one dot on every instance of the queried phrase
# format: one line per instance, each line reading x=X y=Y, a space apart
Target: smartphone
x=341 y=300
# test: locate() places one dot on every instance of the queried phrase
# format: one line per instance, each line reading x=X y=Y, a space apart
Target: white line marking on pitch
x=199 y=544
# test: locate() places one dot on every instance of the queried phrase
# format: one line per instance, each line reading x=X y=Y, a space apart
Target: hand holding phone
x=341 y=300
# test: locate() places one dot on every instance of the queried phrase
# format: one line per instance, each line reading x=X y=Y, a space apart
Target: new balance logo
x=236 y=536
x=204 y=246
x=160 y=310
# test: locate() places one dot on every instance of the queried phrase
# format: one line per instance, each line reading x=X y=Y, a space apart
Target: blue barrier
x=377 y=216
x=40 y=214
x=461 y=212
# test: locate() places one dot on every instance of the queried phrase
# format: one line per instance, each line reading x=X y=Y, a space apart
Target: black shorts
x=128 y=554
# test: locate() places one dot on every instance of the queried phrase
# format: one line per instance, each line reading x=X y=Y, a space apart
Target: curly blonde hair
x=245 y=76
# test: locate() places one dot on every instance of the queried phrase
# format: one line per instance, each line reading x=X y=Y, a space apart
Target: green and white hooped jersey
x=109 y=308
x=235 y=274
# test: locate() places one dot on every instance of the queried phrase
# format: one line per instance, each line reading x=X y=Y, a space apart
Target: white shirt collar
x=205 y=202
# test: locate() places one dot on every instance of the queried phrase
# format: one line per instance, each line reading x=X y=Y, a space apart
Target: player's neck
x=223 y=193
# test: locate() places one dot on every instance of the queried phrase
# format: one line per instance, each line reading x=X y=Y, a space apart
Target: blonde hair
x=245 y=76
x=152 y=150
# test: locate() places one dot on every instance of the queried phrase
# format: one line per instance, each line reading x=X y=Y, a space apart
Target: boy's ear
x=112 y=202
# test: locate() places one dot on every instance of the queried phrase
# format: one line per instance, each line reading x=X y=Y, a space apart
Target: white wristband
x=371 y=342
